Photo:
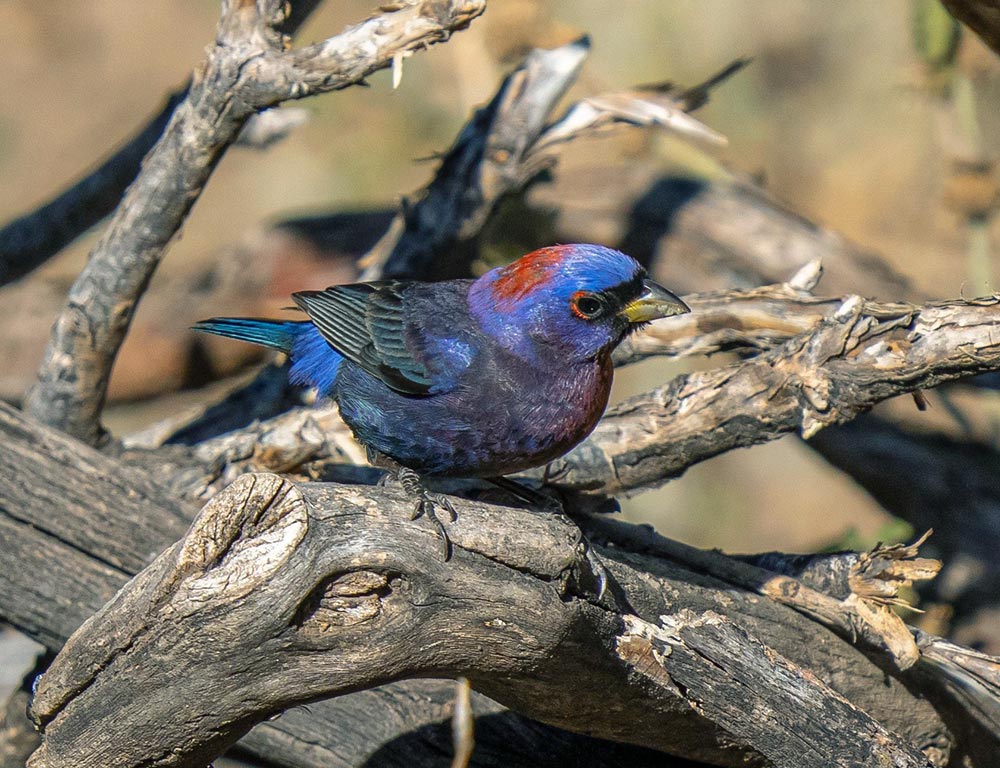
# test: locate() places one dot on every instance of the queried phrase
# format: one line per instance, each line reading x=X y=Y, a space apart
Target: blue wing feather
x=371 y=324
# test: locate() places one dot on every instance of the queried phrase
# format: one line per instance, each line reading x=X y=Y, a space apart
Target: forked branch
x=246 y=70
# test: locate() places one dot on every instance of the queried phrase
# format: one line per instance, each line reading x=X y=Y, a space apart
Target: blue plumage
x=470 y=378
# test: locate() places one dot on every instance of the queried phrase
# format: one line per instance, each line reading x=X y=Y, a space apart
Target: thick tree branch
x=336 y=588
x=66 y=566
x=137 y=522
x=247 y=70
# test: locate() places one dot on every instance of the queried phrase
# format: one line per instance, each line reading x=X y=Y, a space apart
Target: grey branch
x=849 y=355
x=42 y=471
x=336 y=588
x=246 y=71
x=864 y=353
x=525 y=550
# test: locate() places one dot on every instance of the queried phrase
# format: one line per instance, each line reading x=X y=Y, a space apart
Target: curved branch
x=74 y=564
x=336 y=588
x=30 y=240
x=56 y=570
x=863 y=354
x=247 y=70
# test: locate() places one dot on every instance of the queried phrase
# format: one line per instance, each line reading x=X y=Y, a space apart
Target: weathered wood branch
x=66 y=559
x=932 y=481
x=246 y=70
x=508 y=143
x=858 y=355
x=863 y=354
x=30 y=240
x=55 y=573
x=698 y=235
x=281 y=594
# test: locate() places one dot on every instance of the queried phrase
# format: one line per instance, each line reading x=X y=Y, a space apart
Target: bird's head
x=578 y=300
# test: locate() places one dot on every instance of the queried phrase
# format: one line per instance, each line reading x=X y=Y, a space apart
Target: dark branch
x=29 y=241
x=982 y=16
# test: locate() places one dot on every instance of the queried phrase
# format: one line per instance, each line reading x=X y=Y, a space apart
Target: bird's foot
x=427 y=504
x=596 y=568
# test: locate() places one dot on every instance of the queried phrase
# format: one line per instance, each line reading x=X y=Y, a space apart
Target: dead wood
x=932 y=481
x=282 y=594
x=55 y=573
x=246 y=70
x=861 y=354
x=507 y=144
x=483 y=528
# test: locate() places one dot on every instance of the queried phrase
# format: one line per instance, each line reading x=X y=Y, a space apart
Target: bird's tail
x=276 y=334
x=314 y=362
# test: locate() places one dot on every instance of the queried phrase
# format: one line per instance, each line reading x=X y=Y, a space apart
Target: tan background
x=835 y=115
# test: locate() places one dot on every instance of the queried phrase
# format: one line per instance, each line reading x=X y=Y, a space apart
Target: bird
x=472 y=378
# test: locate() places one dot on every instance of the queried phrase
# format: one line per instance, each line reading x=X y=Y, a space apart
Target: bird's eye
x=586 y=306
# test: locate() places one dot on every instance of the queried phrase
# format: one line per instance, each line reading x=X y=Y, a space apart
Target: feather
x=275 y=334
x=367 y=324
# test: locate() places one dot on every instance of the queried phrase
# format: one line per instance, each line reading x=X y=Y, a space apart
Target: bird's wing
x=368 y=324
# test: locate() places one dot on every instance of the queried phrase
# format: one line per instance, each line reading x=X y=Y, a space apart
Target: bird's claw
x=427 y=504
x=597 y=570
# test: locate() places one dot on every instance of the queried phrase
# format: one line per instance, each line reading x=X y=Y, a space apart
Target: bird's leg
x=427 y=503
x=413 y=484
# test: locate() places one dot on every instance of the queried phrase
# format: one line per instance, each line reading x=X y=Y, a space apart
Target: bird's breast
x=503 y=416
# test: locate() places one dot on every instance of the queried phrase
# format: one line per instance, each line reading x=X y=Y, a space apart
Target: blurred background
x=851 y=114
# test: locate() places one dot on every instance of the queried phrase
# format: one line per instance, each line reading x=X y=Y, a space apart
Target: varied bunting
x=468 y=378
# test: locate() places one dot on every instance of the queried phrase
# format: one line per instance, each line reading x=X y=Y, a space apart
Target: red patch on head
x=523 y=277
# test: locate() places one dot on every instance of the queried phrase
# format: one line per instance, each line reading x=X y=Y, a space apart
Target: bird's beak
x=655 y=302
